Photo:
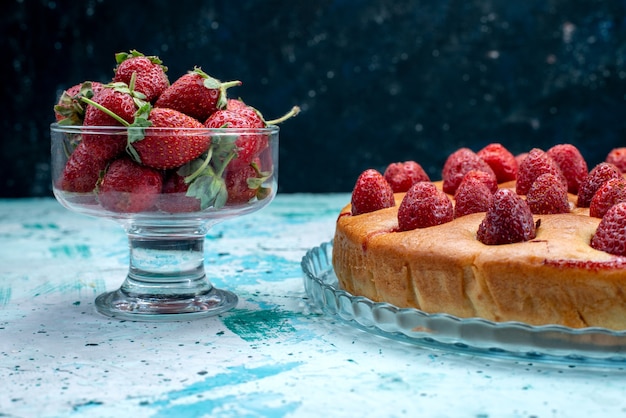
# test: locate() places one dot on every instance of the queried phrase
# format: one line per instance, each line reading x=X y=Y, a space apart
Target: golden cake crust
x=556 y=278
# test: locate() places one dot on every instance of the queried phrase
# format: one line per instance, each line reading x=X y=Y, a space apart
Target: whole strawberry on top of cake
x=537 y=238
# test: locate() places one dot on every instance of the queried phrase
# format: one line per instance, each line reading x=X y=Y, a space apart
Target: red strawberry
x=173 y=198
x=248 y=146
x=168 y=143
x=244 y=183
x=572 y=164
x=242 y=117
x=70 y=109
x=111 y=106
x=617 y=157
x=610 y=235
x=501 y=161
x=487 y=178
x=594 y=180
x=196 y=94
x=129 y=187
x=471 y=196
x=151 y=78
x=508 y=220
x=234 y=104
x=237 y=184
x=82 y=171
x=371 y=192
x=537 y=162
x=547 y=195
x=117 y=99
x=611 y=192
x=402 y=175
x=424 y=205
x=458 y=164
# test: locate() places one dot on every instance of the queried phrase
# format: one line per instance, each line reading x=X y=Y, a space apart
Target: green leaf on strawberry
x=223 y=150
x=262 y=176
x=212 y=83
x=208 y=81
x=138 y=97
x=210 y=190
x=123 y=56
x=205 y=175
x=220 y=192
x=140 y=121
x=257 y=182
x=204 y=183
x=200 y=177
x=70 y=110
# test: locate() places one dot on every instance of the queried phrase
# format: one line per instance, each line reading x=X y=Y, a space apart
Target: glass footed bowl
x=166 y=228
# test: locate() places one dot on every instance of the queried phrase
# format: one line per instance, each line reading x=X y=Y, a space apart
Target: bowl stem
x=166 y=277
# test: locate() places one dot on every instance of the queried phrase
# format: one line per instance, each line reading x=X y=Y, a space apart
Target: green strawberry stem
x=141 y=121
x=228 y=84
x=105 y=110
x=143 y=107
x=140 y=117
x=293 y=112
x=200 y=169
x=214 y=83
x=222 y=100
x=224 y=164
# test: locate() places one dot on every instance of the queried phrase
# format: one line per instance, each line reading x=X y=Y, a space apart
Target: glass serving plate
x=596 y=347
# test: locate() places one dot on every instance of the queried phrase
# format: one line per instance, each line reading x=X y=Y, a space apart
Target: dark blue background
x=378 y=81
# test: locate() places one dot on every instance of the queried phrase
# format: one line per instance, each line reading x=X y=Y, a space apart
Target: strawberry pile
x=155 y=153
x=513 y=191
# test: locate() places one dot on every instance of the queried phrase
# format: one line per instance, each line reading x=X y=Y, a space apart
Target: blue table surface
x=273 y=355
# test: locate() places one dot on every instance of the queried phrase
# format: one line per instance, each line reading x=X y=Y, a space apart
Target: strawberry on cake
x=537 y=238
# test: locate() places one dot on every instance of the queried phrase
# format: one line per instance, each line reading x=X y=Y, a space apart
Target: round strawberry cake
x=536 y=238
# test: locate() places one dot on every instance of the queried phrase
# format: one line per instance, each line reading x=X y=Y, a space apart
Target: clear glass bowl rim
x=120 y=130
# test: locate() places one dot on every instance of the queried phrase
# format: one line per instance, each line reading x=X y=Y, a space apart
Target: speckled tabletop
x=273 y=355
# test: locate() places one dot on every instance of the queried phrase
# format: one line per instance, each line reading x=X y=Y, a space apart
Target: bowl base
x=118 y=304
